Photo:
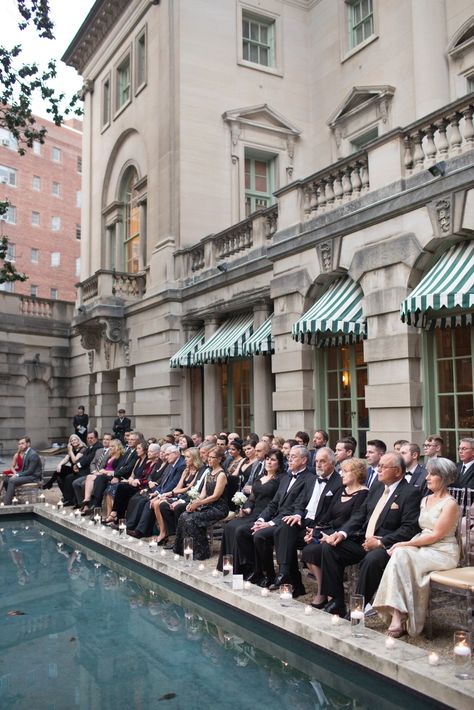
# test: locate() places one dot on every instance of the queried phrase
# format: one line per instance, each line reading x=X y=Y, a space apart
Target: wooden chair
x=454 y=589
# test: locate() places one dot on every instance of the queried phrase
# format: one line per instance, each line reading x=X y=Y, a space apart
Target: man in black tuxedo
x=98 y=462
x=389 y=515
x=31 y=469
x=290 y=532
x=465 y=466
x=291 y=498
x=82 y=467
x=121 y=425
x=415 y=473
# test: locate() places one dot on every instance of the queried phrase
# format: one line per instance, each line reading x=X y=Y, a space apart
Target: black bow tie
x=321 y=480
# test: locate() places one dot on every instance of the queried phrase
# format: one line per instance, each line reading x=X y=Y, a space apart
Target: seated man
x=388 y=515
x=31 y=469
x=98 y=462
x=415 y=471
x=122 y=472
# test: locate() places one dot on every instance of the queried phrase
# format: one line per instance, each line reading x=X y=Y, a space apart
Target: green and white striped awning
x=445 y=294
x=261 y=342
x=185 y=355
x=226 y=342
x=336 y=318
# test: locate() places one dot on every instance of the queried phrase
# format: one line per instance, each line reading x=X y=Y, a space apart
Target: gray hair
x=329 y=452
x=444 y=468
x=468 y=440
x=304 y=453
x=154 y=449
x=171 y=449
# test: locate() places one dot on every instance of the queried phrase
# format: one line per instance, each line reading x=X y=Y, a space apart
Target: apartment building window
x=258 y=39
x=7 y=140
x=78 y=231
x=79 y=164
x=54 y=294
x=78 y=198
x=78 y=266
x=35 y=219
x=11 y=252
x=259 y=179
x=56 y=155
x=7 y=176
x=35 y=256
x=55 y=224
x=123 y=83
x=106 y=102
x=56 y=258
x=34 y=290
x=361 y=21
x=10 y=215
x=36 y=183
x=141 y=60
x=7 y=287
x=36 y=147
x=56 y=189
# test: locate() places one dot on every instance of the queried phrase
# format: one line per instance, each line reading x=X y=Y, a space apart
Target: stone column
x=262 y=379
x=212 y=393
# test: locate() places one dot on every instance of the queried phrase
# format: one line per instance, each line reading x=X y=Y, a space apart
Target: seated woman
x=246 y=467
x=75 y=450
x=175 y=501
x=117 y=495
x=210 y=507
x=116 y=451
x=404 y=590
x=346 y=501
x=16 y=464
x=263 y=490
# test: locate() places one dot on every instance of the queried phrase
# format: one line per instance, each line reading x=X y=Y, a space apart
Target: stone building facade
x=278 y=213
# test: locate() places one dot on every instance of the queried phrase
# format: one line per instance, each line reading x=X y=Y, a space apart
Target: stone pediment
x=263 y=117
x=360 y=98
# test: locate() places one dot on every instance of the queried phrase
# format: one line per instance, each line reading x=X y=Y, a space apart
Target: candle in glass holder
x=335 y=619
x=247 y=586
x=357 y=615
x=59 y=505
x=15 y=501
x=462 y=655
x=41 y=498
x=122 y=526
x=215 y=573
x=27 y=502
x=286 y=594
x=227 y=568
x=264 y=592
x=308 y=610
x=201 y=567
x=2 y=505
x=176 y=558
x=433 y=659
x=188 y=545
x=389 y=642
x=153 y=546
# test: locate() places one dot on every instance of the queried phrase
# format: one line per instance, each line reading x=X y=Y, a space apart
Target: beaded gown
x=405 y=584
x=195 y=524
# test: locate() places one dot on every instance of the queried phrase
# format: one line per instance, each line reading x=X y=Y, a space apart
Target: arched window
x=131 y=223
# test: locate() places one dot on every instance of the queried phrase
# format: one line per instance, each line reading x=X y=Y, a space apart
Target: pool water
x=78 y=630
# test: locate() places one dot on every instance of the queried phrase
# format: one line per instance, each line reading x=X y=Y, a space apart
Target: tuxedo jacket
x=31 y=465
x=87 y=457
x=397 y=522
x=466 y=481
x=294 y=501
x=126 y=464
x=418 y=479
x=330 y=489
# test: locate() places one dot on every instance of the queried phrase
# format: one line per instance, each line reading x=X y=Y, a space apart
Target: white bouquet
x=239 y=499
x=193 y=493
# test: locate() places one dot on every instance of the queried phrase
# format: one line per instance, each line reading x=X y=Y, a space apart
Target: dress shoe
x=132 y=533
x=163 y=540
x=336 y=607
x=266 y=582
x=254 y=578
x=321 y=605
x=279 y=580
x=170 y=546
x=299 y=591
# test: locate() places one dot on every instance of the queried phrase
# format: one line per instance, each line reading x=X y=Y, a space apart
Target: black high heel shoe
x=47 y=486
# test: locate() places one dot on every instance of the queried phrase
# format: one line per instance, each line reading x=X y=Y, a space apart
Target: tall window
x=34 y=256
x=56 y=155
x=36 y=183
x=56 y=258
x=131 y=224
x=106 y=102
x=7 y=176
x=10 y=215
x=123 y=85
x=55 y=224
x=258 y=39
x=11 y=252
x=342 y=393
x=449 y=375
x=141 y=60
x=36 y=147
x=361 y=21
x=78 y=198
x=54 y=295
x=34 y=290
x=236 y=392
x=79 y=164
x=35 y=219
x=259 y=186
x=78 y=231
x=56 y=189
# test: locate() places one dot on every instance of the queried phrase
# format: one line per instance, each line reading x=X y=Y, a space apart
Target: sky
x=67 y=16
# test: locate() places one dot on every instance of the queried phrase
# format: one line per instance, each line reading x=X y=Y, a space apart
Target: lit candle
x=15 y=501
x=335 y=620
x=389 y=642
x=2 y=505
x=163 y=553
x=71 y=515
x=176 y=558
x=140 y=543
x=286 y=596
x=187 y=551
x=46 y=505
x=153 y=546
x=59 y=505
x=264 y=592
x=91 y=522
x=247 y=586
x=42 y=498
x=201 y=567
x=308 y=610
x=461 y=649
x=357 y=614
x=215 y=573
x=433 y=659
x=27 y=502
x=41 y=533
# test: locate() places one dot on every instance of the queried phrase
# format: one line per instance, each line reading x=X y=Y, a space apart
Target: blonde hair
x=356 y=466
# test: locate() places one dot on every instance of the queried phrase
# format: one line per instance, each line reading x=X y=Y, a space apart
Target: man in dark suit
x=290 y=532
x=121 y=425
x=465 y=466
x=291 y=498
x=122 y=472
x=31 y=469
x=389 y=515
x=98 y=462
x=375 y=450
x=82 y=467
x=415 y=471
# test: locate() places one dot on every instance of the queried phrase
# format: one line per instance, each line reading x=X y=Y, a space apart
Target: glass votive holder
x=122 y=526
x=153 y=546
x=188 y=550
x=357 y=605
x=59 y=505
x=97 y=516
x=286 y=594
x=462 y=655
x=41 y=498
x=227 y=568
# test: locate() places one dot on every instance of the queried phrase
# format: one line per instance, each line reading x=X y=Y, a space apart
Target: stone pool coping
x=405 y=664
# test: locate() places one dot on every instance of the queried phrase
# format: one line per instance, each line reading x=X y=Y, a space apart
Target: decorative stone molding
x=328 y=253
x=90 y=357
x=443 y=210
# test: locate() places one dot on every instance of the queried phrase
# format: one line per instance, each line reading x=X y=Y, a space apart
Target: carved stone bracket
x=328 y=254
x=441 y=212
x=90 y=357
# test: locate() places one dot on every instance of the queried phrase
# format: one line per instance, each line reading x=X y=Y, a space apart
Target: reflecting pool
x=81 y=630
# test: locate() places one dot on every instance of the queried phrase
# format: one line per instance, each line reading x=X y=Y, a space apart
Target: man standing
x=121 y=425
x=415 y=471
x=31 y=469
x=465 y=466
x=290 y=499
x=375 y=450
x=290 y=532
x=388 y=515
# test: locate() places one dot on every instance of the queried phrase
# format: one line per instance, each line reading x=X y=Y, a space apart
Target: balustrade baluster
x=356 y=182
x=346 y=184
x=441 y=140
x=455 y=138
x=430 y=147
x=468 y=128
x=329 y=192
x=314 y=198
x=337 y=185
x=307 y=201
x=322 y=196
x=408 y=156
x=364 y=175
x=418 y=152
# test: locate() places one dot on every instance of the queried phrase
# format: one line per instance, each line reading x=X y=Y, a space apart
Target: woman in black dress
x=81 y=423
x=210 y=507
x=263 y=490
x=343 y=505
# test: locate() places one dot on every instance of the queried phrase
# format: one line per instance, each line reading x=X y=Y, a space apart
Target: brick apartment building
x=43 y=223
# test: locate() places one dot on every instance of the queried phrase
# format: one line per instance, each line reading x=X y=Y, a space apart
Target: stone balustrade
x=90 y=288
x=441 y=135
x=106 y=283
x=36 y=307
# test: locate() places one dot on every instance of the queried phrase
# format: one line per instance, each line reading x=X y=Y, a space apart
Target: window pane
x=333 y=411
x=245 y=28
x=332 y=385
x=346 y=420
x=263 y=34
x=254 y=53
x=264 y=56
x=443 y=342
x=362 y=415
x=464 y=375
x=254 y=31
x=465 y=406
x=462 y=341
x=331 y=358
x=446 y=411
x=361 y=382
x=449 y=448
x=445 y=376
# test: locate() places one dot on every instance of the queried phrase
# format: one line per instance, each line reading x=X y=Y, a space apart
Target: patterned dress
x=405 y=584
x=195 y=524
